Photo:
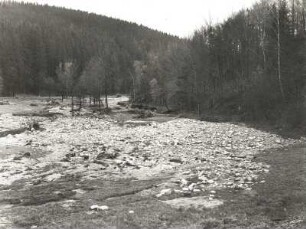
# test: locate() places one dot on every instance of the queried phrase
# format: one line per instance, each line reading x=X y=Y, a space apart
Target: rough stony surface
x=194 y=160
x=9 y=122
x=194 y=202
x=203 y=155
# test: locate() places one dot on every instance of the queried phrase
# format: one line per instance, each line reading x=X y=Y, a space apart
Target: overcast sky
x=178 y=17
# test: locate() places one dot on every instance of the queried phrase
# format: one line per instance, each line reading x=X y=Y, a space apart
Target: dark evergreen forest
x=47 y=49
x=251 y=66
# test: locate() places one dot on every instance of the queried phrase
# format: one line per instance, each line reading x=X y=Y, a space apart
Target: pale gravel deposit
x=199 y=155
x=9 y=122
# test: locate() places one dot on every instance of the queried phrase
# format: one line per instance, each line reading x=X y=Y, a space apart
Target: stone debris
x=164 y=192
x=19 y=157
x=203 y=156
x=68 y=203
x=53 y=177
x=4 y=102
x=97 y=207
x=194 y=202
x=10 y=122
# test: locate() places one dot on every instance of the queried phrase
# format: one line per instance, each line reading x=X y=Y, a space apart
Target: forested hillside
x=252 y=66
x=50 y=50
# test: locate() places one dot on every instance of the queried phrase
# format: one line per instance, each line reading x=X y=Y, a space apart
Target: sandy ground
x=84 y=165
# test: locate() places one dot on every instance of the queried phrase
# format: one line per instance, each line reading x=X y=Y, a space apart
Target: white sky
x=178 y=17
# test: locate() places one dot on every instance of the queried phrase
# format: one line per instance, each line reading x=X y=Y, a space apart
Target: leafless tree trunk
x=105 y=92
x=72 y=105
x=262 y=44
x=134 y=88
x=80 y=103
x=279 y=53
x=304 y=18
x=99 y=101
x=293 y=18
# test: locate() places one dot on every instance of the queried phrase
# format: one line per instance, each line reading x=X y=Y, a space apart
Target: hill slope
x=37 y=42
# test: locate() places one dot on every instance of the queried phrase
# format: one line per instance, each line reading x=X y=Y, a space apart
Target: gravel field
x=197 y=158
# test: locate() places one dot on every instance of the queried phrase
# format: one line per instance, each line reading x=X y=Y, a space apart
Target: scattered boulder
x=71 y=154
x=176 y=160
x=27 y=154
x=107 y=155
x=194 y=202
x=66 y=159
x=29 y=142
x=100 y=163
x=53 y=177
x=85 y=156
x=35 y=125
x=53 y=102
x=97 y=207
x=4 y=103
x=145 y=114
x=164 y=192
x=123 y=104
x=19 y=157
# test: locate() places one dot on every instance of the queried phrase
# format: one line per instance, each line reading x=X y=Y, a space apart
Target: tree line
x=51 y=50
x=253 y=66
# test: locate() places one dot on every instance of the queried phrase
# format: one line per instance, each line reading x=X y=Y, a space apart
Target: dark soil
x=13 y=132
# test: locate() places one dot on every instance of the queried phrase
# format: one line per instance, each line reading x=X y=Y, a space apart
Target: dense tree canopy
x=252 y=65
x=37 y=43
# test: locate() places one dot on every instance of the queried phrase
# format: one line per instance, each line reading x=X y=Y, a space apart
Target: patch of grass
x=278 y=203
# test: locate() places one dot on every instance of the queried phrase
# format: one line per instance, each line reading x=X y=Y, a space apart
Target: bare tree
x=279 y=51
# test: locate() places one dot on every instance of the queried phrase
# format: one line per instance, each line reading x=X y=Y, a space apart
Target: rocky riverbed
x=197 y=158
